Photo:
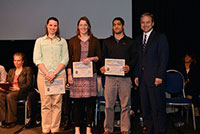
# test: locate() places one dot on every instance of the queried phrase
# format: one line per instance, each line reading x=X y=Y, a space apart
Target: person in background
x=66 y=109
x=150 y=75
x=83 y=47
x=118 y=46
x=51 y=57
x=3 y=74
x=191 y=74
x=21 y=78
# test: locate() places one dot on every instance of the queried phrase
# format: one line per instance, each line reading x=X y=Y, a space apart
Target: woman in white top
x=50 y=56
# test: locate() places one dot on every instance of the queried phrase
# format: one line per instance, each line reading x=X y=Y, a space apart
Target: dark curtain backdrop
x=178 y=19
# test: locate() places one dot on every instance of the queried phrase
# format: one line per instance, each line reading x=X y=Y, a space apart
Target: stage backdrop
x=26 y=19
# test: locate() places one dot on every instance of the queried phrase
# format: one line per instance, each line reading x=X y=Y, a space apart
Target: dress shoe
x=3 y=124
x=144 y=129
x=196 y=112
x=67 y=125
x=125 y=132
x=107 y=132
x=11 y=125
x=31 y=124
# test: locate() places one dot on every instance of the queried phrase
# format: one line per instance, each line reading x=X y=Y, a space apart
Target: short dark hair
x=148 y=14
x=120 y=19
x=23 y=56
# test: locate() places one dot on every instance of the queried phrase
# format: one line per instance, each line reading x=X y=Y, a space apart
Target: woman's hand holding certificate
x=81 y=70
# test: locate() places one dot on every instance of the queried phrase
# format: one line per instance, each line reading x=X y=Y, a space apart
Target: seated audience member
x=190 y=72
x=20 y=79
x=3 y=74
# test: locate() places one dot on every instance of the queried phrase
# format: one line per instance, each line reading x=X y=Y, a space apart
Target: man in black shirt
x=118 y=46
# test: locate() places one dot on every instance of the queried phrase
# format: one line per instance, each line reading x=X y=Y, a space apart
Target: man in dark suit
x=150 y=75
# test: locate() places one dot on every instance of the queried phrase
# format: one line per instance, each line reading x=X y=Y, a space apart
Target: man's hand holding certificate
x=114 y=67
x=81 y=70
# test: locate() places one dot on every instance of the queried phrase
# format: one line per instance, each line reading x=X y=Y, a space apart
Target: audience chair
x=25 y=102
x=175 y=86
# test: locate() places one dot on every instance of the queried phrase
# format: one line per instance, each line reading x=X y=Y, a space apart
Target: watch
x=55 y=73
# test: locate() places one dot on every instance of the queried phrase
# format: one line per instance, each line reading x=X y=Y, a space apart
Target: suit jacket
x=25 y=80
x=75 y=50
x=153 y=62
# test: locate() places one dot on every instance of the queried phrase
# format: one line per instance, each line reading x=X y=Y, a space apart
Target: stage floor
x=136 y=128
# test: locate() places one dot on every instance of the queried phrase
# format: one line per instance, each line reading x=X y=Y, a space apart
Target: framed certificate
x=114 y=66
x=81 y=70
x=56 y=87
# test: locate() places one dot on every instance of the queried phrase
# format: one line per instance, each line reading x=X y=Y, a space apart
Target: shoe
x=107 y=132
x=11 y=125
x=196 y=112
x=67 y=125
x=3 y=124
x=132 y=113
x=144 y=129
x=125 y=132
x=31 y=124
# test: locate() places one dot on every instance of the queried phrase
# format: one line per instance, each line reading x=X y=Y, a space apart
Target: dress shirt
x=50 y=52
x=147 y=37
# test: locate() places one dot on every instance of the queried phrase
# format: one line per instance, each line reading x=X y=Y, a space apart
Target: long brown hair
x=89 y=26
x=58 y=30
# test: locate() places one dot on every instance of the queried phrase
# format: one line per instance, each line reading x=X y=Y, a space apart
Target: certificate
x=114 y=66
x=81 y=70
x=56 y=87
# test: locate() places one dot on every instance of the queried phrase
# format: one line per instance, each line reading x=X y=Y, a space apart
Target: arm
x=70 y=78
x=28 y=75
x=163 y=52
x=69 y=70
x=3 y=74
x=103 y=56
x=37 y=59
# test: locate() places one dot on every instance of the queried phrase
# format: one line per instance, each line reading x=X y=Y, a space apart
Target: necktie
x=144 y=42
